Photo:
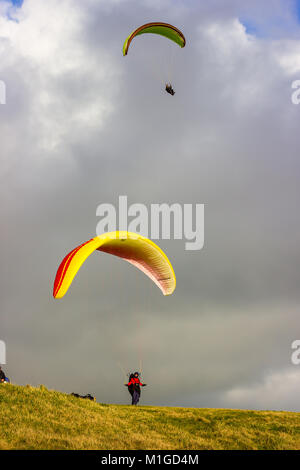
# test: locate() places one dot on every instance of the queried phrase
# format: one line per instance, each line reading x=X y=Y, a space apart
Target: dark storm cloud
x=84 y=125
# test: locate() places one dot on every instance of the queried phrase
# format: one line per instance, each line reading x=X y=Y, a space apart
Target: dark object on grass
x=88 y=396
x=3 y=378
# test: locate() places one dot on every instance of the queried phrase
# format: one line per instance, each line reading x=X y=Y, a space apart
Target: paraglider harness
x=134 y=386
x=169 y=89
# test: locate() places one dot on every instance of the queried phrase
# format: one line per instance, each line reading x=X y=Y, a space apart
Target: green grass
x=36 y=418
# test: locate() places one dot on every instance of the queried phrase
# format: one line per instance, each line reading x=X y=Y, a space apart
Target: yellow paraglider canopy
x=134 y=248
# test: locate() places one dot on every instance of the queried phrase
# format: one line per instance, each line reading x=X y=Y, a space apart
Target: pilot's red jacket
x=135 y=381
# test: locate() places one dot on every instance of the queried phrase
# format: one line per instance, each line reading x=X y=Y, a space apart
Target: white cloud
x=66 y=87
x=287 y=53
x=277 y=391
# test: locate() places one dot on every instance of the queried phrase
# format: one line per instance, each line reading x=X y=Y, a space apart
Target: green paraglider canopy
x=163 y=29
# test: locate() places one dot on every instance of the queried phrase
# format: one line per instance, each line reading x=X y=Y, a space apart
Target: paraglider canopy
x=134 y=248
x=163 y=29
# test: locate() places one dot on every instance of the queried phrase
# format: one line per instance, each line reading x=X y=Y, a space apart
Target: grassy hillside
x=36 y=418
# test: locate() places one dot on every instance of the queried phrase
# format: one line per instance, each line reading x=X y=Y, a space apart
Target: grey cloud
x=85 y=125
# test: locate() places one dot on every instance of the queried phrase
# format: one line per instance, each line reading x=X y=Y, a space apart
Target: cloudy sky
x=83 y=125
